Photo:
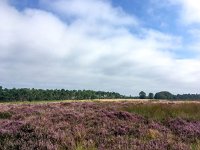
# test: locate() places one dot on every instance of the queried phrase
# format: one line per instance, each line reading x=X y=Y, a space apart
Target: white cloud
x=93 y=11
x=190 y=12
x=96 y=50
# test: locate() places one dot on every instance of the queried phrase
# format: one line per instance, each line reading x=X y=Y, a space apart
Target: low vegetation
x=5 y=115
x=99 y=125
x=162 y=111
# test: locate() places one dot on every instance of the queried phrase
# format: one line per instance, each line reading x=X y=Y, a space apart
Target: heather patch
x=80 y=126
x=186 y=130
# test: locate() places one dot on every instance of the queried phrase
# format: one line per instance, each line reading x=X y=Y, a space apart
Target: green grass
x=80 y=146
x=159 y=111
x=195 y=146
x=5 y=115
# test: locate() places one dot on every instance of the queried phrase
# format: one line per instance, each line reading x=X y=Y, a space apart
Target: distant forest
x=168 y=96
x=26 y=94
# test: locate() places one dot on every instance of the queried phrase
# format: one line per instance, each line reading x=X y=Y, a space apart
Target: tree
x=151 y=96
x=1 y=93
x=164 y=95
x=142 y=95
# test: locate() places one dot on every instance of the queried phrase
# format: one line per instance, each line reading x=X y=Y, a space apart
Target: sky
x=124 y=46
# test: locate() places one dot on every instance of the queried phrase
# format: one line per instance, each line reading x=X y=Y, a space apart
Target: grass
x=195 y=146
x=65 y=101
x=81 y=146
x=5 y=115
x=160 y=111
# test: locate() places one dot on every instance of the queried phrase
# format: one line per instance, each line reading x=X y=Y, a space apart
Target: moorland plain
x=100 y=125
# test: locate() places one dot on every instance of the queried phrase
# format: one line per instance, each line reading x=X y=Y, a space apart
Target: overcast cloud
x=91 y=44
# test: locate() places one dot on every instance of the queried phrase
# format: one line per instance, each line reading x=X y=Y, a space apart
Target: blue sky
x=115 y=45
x=149 y=12
x=152 y=14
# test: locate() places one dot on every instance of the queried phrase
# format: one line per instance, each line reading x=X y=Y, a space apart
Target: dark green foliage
x=188 y=96
x=167 y=95
x=5 y=115
x=151 y=96
x=26 y=94
x=164 y=95
x=142 y=95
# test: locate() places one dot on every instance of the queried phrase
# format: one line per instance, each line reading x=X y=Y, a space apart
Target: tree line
x=26 y=94
x=169 y=96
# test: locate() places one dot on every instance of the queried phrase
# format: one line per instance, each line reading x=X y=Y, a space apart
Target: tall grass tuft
x=160 y=111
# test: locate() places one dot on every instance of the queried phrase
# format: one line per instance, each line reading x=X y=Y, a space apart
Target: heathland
x=104 y=125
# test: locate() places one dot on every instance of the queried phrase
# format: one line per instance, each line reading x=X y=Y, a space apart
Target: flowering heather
x=90 y=125
x=187 y=130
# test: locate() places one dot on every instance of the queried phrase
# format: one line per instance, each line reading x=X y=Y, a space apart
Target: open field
x=102 y=100
x=100 y=125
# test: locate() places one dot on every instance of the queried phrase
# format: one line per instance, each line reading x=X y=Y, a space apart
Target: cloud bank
x=90 y=45
x=190 y=12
